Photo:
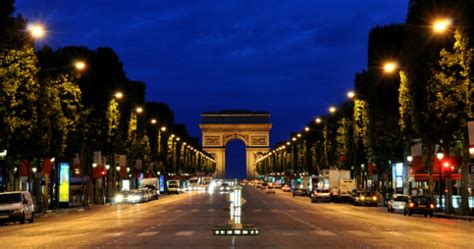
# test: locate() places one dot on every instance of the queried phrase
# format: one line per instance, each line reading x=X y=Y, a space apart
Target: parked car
x=300 y=192
x=17 y=206
x=420 y=204
x=320 y=195
x=397 y=203
x=147 y=194
x=366 y=198
x=286 y=188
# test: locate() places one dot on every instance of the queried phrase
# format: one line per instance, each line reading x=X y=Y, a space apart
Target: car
x=320 y=195
x=286 y=188
x=365 y=198
x=17 y=206
x=299 y=192
x=270 y=189
x=147 y=194
x=397 y=203
x=419 y=204
x=224 y=188
x=277 y=185
x=130 y=196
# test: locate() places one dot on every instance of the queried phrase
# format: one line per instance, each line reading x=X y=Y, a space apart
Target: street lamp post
x=440 y=156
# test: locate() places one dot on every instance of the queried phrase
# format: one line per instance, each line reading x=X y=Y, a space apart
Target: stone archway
x=253 y=128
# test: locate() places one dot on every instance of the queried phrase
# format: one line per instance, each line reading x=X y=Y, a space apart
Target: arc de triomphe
x=253 y=128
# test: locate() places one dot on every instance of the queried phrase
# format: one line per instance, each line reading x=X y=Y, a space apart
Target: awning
x=425 y=177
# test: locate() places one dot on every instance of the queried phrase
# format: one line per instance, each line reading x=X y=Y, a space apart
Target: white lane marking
x=323 y=233
x=395 y=234
x=195 y=210
x=211 y=210
x=115 y=234
x=184 y=233
x=292 y=211
x=359 y=233
x=288 y=234
x=178 y=211
x=275 y=211
x=257 y=210
x=148 y=234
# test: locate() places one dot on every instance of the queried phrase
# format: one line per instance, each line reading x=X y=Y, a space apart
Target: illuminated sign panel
x=64 y=182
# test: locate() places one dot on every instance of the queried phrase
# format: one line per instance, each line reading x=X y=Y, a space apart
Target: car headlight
x=119 y=198
x=375 y=198
x=136 y=198
x=130 y=198
x=362 y=198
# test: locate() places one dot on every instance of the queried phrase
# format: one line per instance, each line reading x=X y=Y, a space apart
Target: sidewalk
x=69 y=210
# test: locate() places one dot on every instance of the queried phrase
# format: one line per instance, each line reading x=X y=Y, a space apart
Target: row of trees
x=429 y=101
x=49 y=110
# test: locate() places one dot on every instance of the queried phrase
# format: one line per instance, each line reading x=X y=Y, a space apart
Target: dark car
x=420 y=204
x=365 y=198
x=320 y=195
x=300 y=192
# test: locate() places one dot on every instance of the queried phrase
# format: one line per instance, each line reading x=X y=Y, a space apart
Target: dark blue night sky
x=291 y=58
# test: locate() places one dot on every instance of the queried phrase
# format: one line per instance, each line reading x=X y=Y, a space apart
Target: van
x=17 y=206
x=173 y=186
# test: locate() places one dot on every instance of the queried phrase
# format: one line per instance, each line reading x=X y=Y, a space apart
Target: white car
x=17 y=206
x=397 y=203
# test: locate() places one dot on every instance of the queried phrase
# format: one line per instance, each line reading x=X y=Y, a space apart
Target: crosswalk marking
x=292 y=211
x=257 y=210
x=184 y=233
x=178 y=211
x=195 y=210
x=211 y=210
x=148 y=233
x=275 y=211
x=324 y=233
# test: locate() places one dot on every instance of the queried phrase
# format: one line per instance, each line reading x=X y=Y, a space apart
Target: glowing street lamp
x=118 y=95
x=306 y=129
x=441 y=25
x=317 y=120
x=390 y=67
x=139 y=110
x=36 y=30
x=332 y=109
x=80 y=65
x=153 y=121
x=351 y=94
x=163 y=128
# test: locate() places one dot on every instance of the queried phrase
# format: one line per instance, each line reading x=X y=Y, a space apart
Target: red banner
x=24 y=167
x=99 y=171
x=123 y=172
x=47 y=166
x=76 y=170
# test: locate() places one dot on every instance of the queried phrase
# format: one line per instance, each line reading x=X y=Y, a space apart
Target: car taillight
x=411 y=204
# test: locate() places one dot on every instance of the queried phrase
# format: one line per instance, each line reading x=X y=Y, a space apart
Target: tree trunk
x=465 y=179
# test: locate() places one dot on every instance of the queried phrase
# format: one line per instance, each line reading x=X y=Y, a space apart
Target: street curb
x=455 y=217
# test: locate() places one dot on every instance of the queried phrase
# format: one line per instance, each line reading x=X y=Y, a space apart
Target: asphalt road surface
x=186 y=221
